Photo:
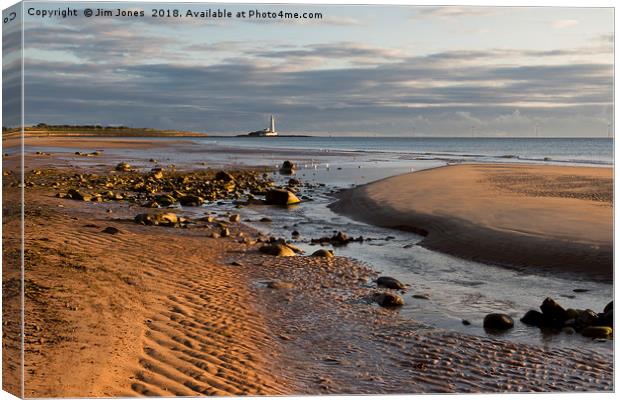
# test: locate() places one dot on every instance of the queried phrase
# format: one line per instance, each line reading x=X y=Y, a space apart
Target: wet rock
x=585 y=318
x=214 y=235
x=295 y=234
x=597 y=332
x=578 y=290
x=533 y=317
x=234 y=218
x=390 y=283
x=165 y=219
x=224 y=232
x=323 y=253
x=606 y=319
x=554 y=313
x=74 y=194
x=386 y=299
x=157 y=173
x=190 y=200
x=288 y=168
x=609 y=306
x=165 y=200
x=265 y=219
x=294 y=182
x=498 y=321
x=338 y=239
x=277 y=249
x=466 y=322
x=224 y=176
x=124 y=167
x=281 y=197
x=111 y=230
x=421 y=296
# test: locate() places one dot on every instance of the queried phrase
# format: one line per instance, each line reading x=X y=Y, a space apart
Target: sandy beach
x=155 y=310
x=549 y=217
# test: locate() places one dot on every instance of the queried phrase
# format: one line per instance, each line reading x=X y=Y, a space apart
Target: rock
x=390 y=283
x=466 y=322
x=294 y=182
x=585 y=318
x=74 y=194
x=606 y=319
x=597 y=332
x=580 y=290
x=157 y=173
x=190 y=200
x=279 y=285
x=123 y=166
x=288 y=168
x=265 y=219
x=111 y=230
x=533 y=317
x=234 y=218
x=421 y=296
x=165 y=219
x=386 y=299
x=165 y=200
x=295 y=234
x=281 y=197
x=277 y=249
x=224 y=176
x=323 y=253
x=497 y=321
x=571 y=313
x=568 y=330
x=214 y=235
x=292 y=247
x=609 y=306
x=224 y=232
x=554 y=313
x=236 y=264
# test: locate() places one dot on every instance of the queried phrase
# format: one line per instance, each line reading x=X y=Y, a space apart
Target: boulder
x=277 y=249
x=386 y=299
x=165 y=200
x=165 y=219
x=191 y=201
x=288 y=168
x=498 y=321
x=554 y=313
x=585 y=318
x=606 y=319
x=609 y=306
x=234 y=218
x=224 y=232
x=602 y=332
x=390 y=283
x=224 y=176
x=533 y=317
x=281 y=197
x=323 y=253
x=123 y=166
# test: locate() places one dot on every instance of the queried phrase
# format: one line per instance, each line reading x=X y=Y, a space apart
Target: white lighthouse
x=271 y=131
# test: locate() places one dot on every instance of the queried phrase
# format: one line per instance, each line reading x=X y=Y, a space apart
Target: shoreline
x=499 y=214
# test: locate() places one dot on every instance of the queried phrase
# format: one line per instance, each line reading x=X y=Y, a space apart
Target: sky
x=358 y=70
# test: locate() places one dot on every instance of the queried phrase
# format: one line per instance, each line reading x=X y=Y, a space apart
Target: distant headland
x=95 y=130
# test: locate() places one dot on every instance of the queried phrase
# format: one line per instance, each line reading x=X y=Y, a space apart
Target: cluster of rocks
x=165 y=187
x=389 y=299
x=338 y=239
x=587 y=322
x=552 y=316
x=281 y=248
x=81 y=154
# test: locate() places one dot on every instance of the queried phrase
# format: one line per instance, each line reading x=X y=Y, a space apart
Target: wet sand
x=551 y=218
x=164 y=311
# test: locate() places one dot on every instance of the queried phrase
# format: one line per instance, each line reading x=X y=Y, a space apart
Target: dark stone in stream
x=390 y=283
x=554 y=313
x=466 y=322
x=533 y=317
x=386 y=299
x=498 y=321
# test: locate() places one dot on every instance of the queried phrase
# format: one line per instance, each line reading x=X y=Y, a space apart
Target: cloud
x=452 y=12
x=564 y=23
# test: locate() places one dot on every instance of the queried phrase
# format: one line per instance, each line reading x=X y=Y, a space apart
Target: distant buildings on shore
x=271 y=131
